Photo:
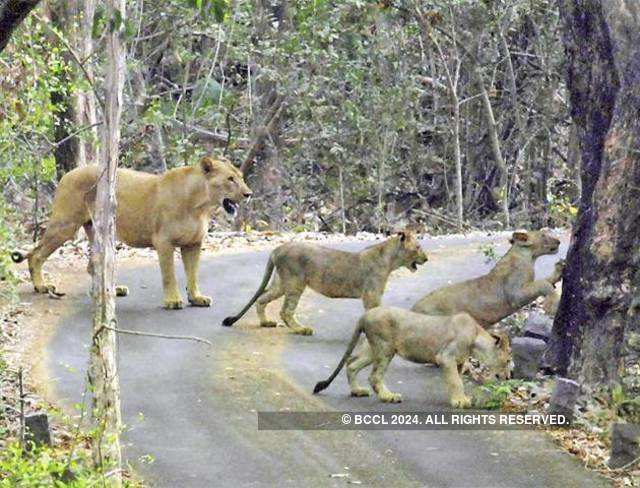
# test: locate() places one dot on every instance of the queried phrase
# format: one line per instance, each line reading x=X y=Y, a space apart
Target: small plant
x=498 y=392
x=44 y=467
x=489 y=252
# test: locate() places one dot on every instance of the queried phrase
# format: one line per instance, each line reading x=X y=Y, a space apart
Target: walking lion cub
x=333 y=273
x=447 y=341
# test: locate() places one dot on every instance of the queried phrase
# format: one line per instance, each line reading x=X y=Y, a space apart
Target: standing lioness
x=447 y=341
x=160 y=211
x=333 y=273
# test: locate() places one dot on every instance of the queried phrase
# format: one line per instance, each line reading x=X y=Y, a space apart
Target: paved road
x=192 y=409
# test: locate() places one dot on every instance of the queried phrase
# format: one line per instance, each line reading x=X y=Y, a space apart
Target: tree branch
x=262 y=133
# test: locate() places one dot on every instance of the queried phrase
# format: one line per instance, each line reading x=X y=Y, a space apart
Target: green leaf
x=116 y=21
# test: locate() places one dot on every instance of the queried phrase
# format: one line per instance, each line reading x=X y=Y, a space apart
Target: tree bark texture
x=601 y=40
x=103 y=371
x=74 y=20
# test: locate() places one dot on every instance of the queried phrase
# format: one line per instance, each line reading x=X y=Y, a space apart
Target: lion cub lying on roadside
x=445 y=340
x=333 y=273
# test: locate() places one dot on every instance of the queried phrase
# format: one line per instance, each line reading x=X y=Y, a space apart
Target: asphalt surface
x=191 y=410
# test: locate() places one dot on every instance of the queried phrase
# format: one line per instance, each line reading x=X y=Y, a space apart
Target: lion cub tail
x=321 y=385
x=229 y=321
x=18 y=257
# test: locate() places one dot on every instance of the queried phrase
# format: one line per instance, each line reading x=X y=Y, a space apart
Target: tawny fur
x=160 y=211
x=333 y=273
x=447 y=341
x=508 y=287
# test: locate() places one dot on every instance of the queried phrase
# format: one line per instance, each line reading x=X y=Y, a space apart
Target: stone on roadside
x=538 y=326
x=625 y=445
x=527 y=355
x=37 y=430
x=563 y=398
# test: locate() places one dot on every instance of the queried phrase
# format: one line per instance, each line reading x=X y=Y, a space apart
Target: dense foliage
x=342 y=113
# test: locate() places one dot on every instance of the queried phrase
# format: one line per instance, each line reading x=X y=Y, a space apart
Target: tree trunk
x=603 y=264
x=85 y=100
x=75 y=21
x=497 y=152
x=458 y=160
x=12 y=13
x=103 y=369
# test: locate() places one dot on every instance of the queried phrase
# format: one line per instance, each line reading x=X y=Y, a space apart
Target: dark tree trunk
x=603 y=76
x=66 y=153
x=12 y=13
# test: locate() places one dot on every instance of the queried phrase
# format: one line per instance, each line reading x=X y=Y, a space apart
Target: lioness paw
x=461 y=402
x=122 y=291
x=200 y=301
x=44 y=288
x=391 y=398
x=173 y=304
x=268 y=324
x=307 y=331
x=361 y=392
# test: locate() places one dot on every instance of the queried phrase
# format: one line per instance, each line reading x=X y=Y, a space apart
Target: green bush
x=44 y=467
x=496 y=393
x=7 y=278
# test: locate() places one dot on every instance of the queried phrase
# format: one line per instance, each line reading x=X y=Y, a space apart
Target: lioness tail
x=18 y=257
x=229 y=321
x=321 y=385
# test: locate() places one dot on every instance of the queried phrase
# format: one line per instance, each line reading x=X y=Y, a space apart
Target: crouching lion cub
x=443 y=340
x=333 y=273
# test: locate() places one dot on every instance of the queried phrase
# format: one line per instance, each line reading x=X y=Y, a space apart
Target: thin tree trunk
x=343 y=215
x=603 y=263
x=458 y=159
x=495 y=147
x=103 y=368
x=75 y=20
x=85 y=100
x=452 y=88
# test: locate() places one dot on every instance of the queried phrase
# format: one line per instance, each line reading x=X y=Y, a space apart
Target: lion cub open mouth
x=230 y=206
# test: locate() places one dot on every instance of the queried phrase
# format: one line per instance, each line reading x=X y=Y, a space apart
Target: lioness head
x=410 y=254
x=540 y=242
x=226 y=183
x=495 y=355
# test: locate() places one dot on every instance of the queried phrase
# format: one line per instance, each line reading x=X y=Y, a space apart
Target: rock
x=625 y=445
x=564 y=397
x=538 y=326
x=527 y=356
x=36 y=430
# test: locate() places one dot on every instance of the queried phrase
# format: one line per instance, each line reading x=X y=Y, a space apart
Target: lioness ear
x=207 y=165
x=520 y=237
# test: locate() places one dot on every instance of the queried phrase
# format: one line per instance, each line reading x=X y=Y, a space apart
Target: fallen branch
x=161 y=336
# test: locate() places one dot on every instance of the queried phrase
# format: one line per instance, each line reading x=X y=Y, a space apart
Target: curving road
x=191 y=410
